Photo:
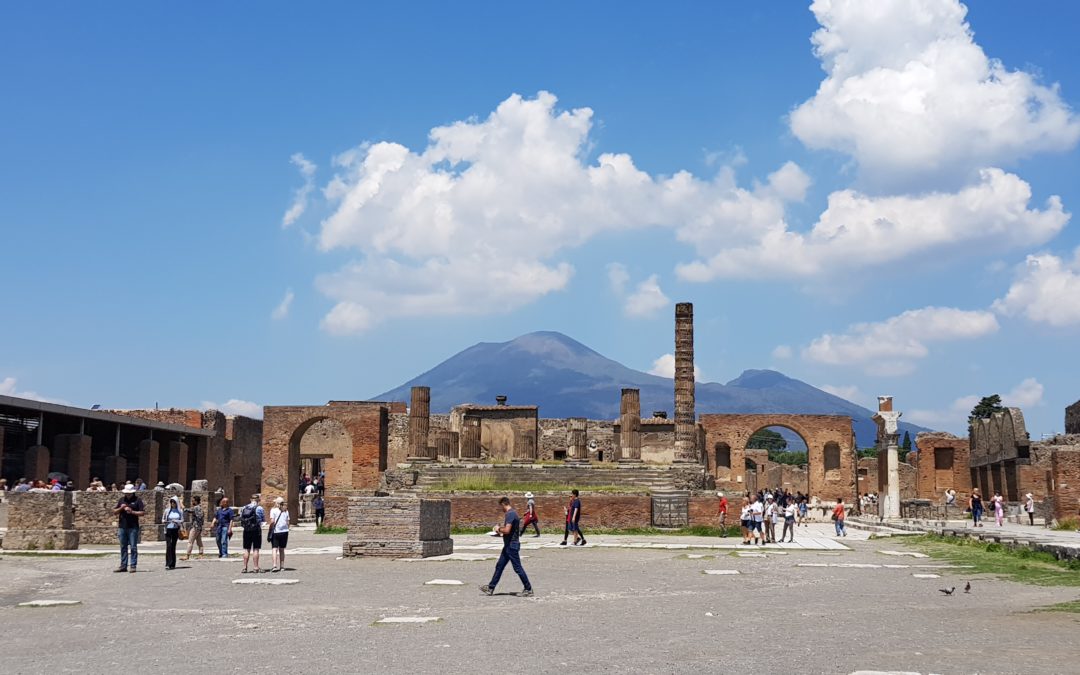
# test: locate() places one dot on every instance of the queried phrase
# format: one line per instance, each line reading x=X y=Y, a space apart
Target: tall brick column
x=115 y=470
x=76 y=447
x=37 y=462
x=524 y=447
x=470 y=438
x=419 y=423
x=148 y=461
x=445 y=445
x=577 y=439
x=630 y=426
x=178 y=460
x=685 y=418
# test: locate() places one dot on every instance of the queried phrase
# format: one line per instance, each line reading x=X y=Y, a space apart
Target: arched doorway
x=781 y=456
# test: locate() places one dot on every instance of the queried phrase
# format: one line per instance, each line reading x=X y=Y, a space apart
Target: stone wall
x=597 y=510
x=869 y=481
x=398 y=526
x=1065 y=471
x=1072 y=419
x=942 y=464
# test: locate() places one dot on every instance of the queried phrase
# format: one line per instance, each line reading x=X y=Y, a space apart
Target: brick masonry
x=1072 y=419
x=1065 y=472
x=398 y=526
x=942 y=464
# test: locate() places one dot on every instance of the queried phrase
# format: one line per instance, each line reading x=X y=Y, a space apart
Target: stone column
x=888 y=436
x=470 y=438
x=685 y=417
x=446 y=445
x=37 y=462
x=76 y=447
x=148 y=461
x=115 y=471
x=419 y=423
x=577 y=440
x=524 y=447
x=178 y=461
x=630 y=426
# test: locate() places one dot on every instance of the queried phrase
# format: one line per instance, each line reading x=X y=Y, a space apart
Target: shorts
x=280 y=540
x=744 y=523
x=571 y=527
x=755 y=525
x=252 y=540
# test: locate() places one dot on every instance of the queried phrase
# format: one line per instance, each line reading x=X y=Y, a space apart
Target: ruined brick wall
x=184 y=417
x=942 y=464
x=245 y=456
x=908 y=479
x=1065 y=473
x=793 y=478
x=597 y=510
x=868 y=475
x=552 y=441
x=818 y=431
x=1072 y=419
x=397 y=443
x=395 y=526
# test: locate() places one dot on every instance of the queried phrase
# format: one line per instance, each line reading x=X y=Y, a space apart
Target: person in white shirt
x=789 y=521
x=744 y=521
x=757 y=520
x=770 y=520
x=279 y=533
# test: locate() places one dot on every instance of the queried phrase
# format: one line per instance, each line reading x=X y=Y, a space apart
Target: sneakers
x=120 y=569
x=487 y=590
x=527 y=593
x=562 y=543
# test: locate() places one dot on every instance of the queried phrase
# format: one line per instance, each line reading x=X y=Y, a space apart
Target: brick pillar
x=524 y=447
x=77 y=449
x=577 y=439
x=37 y=462
x=148 y=461
x=685 y=417
x=202 y=459
x=419 y=424
x=630 y=426
x=115 y=471
x=445 y=445
x=178 y=460
x=470 y=438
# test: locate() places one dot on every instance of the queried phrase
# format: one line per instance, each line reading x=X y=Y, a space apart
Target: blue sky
x=867 y=211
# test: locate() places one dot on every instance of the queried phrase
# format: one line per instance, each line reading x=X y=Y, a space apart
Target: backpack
x=249 y=518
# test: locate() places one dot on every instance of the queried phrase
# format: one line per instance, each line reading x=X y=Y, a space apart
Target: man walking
x=129 y=508
x=574 y=518
x=320 y=509
x=757 y=520
x=722 y=510
x=251 y=520
x=511 y=551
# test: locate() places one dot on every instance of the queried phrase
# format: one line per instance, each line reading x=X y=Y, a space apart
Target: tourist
x=575 y=518
x=160 y=487
x=3 y=485
x=222 y=525
x=757 y=518
x=139 y=485
x=999 y=508
x=196 y=518
x=566 y=517
x=56 y=486
x=252 y=517
x=975 y=505
x=721 y=510
x=1029 y=507
x=279 y=534
x=789 y=522
x=22 y=486
x=511 y=551
x=322 y=482
x=530 y=514
x=129 y=508
x=744 y=521
x=838 y=517
x=320 y=509
x=113 y=488
x=770 y=519
x=174 y=522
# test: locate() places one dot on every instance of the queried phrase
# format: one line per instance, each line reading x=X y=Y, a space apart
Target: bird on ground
x=947 y=591
x=967 y=587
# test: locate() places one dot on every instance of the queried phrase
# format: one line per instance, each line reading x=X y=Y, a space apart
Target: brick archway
x=284 y=426
x=731 y=433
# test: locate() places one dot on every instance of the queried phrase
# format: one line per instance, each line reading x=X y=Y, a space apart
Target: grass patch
x=1072 y=606
x=1022 y=565
x=1067 y=525
x=331 y=529
x=694 y=531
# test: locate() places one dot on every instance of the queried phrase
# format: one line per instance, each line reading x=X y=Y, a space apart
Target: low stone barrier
x=398 y=526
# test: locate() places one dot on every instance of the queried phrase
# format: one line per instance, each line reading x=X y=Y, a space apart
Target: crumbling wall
x=942 y=465
x=398 y=526
x=1065 y=472
x=1072 y=419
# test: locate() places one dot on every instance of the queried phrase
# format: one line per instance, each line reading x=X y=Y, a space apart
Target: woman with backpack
x=279 y=533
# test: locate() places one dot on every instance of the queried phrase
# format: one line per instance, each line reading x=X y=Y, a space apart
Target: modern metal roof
x=71 y=411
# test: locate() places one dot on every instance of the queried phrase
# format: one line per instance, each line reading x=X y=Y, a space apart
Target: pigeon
x=967 y=587
x=947 y=591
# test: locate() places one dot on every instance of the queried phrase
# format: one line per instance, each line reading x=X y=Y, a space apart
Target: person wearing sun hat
x=530 y=514
x=128 y=510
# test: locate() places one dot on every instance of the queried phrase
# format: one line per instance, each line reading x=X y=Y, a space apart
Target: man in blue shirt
x=511 y=551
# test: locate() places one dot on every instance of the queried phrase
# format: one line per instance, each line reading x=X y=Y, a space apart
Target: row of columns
x=77 y=448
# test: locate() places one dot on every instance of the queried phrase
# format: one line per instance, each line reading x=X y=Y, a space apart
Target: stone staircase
x=641 y=477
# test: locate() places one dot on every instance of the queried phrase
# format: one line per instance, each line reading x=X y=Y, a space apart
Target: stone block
x=396 y=526
x=40 y=511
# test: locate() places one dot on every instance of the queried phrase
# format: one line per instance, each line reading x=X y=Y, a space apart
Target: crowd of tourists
x=762 y=512
x=186 y=523
x=57 y=484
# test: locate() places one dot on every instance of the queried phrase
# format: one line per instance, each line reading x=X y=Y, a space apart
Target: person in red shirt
x=722 y=510
x=838 y=517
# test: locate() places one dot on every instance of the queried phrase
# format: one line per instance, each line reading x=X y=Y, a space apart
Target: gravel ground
x=595 y=609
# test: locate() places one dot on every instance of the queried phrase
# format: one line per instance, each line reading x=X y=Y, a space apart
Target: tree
x=906 y=445
x=985 y=408
x=766 y=439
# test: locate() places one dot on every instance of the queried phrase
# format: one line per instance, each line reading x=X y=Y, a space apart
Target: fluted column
x=470 y=438
x=685 y=418
x=577 y=439
x=630 y=426
x=419 y=423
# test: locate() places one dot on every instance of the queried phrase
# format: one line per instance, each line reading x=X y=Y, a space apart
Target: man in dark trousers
x=511 y=551
x=575 y=518
x=129 y=508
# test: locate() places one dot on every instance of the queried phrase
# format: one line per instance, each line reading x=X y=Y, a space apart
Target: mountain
x=567 y=379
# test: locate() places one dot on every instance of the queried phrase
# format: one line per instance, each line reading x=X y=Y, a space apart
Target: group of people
x=58 y=485
x=761 y=512
x=186 y=522
x=976 y=507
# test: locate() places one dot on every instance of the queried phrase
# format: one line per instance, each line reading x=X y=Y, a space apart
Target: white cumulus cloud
x=282 y=309
x=8 y=387
x=664 y=366
x=909 y=93
x=303 y=193
x=1046 y=290
x=647 y=299
x=782 y=352
x=848 y=392
x=235 y=406
x=618 y=277
x=892 y=346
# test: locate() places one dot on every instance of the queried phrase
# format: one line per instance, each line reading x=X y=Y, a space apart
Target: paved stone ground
x=599 y=608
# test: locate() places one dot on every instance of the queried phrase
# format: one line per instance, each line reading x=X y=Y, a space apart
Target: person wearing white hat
x=530 y=515
x=722 y=511
x=128 y=509
x=1029 y=506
